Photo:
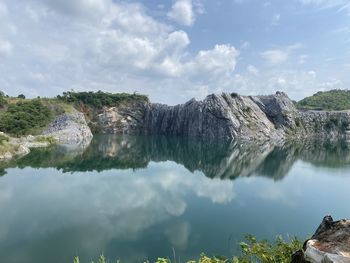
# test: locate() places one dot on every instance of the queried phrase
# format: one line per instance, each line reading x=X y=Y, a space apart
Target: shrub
x=3 y=139
x=253 y=251
x=49 y=139
x=99 y=99
x=2 y=99
x=25 y=117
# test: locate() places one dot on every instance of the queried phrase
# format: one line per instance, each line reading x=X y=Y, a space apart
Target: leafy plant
x=3 y=139
x=25 y=117
x=266 y=252
x=252 y=251
x=99 y=99
x=49 y=139
x=3 y=101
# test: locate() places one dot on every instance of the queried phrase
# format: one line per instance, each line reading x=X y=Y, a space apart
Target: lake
x=136 y=198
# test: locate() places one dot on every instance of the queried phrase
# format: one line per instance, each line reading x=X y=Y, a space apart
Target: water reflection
x=139 y=197
x=216 y=159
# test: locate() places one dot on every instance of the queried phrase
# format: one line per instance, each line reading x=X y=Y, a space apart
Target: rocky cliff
x=69 y=128
x=225 y=116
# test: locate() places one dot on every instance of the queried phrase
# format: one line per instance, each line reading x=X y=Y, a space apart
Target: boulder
x=329 y=244
x=69 y=128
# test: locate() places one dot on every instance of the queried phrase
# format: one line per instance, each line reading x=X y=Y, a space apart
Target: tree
x=2 y=99
x=21 y=96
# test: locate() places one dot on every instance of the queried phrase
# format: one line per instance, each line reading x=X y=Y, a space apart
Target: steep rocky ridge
x=224 y=116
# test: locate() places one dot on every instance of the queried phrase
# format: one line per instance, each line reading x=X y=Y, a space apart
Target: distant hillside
x=329 y=100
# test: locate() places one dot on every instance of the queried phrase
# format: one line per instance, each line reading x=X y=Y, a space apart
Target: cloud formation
x=275 y=56
x=342 y=5
x=182 y=12
x=49 y=46
x=92 y=45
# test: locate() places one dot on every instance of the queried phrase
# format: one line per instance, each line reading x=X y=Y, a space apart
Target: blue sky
x=173 y=50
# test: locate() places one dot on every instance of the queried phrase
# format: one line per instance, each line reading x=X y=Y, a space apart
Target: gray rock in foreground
x=70 y=128
x=329 y=244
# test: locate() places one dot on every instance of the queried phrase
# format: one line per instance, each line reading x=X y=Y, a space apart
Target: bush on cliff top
x=99 y=99
x=329 y=100
x=25 y=117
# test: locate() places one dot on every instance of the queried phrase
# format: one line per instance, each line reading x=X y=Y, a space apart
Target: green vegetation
x=99 y=99
x=56 y=106
x=329 y=100
x=25 y=117
x=3 y=101
x=49 y=139
x=6 y=146
x=3 y=139
x=20 y=116
x=252 y=251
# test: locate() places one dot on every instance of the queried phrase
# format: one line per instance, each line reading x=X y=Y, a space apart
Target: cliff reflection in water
x=216 y=159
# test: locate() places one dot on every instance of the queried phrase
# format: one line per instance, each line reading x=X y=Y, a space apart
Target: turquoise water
x=136 y=198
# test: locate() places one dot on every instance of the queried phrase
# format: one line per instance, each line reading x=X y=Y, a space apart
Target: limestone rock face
x=218 y=116
x=329 y=244
x=69 y=128
x=326 y=123
x=279 y=109
x=123 y=119
x=224 y=116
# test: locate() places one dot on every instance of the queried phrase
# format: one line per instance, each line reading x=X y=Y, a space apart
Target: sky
x=174 y=50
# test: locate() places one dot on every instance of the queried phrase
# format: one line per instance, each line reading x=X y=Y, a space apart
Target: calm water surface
x=136 y=198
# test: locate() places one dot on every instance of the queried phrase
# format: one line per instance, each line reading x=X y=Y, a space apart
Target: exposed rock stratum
x=224 y=116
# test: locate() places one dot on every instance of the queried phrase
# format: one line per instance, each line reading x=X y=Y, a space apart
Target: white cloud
x=341 y=5
x=302 y=59
x=217 y=62
x=275 y=56
x=253 y=70
x=90 y=8
x=106 y=45
x=245 y=45
x=3 y=9
x=312 y=73
x=182 y=12
x=276 y=19
x=278 y=56
x=296 y=83
x=5 y=48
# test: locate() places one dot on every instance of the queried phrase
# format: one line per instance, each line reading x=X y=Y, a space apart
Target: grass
x=6 y=146
x=252 y=251
x=46 y=139
x=56 y=106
